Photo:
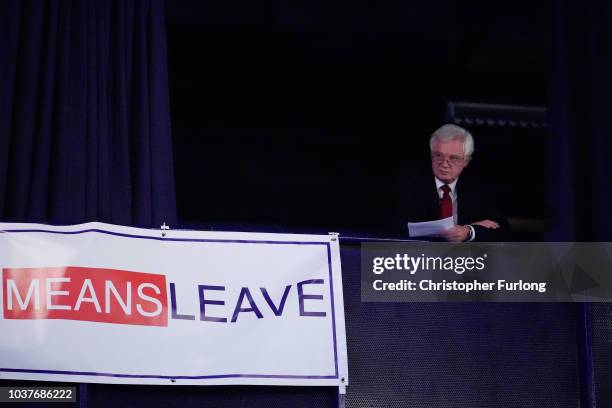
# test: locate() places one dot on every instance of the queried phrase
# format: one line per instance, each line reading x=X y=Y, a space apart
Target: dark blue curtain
x=578 y=163
x=84 y=113
x=84 y=116
x=580 y=111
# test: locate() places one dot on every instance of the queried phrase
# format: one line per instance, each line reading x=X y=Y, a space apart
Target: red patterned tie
x=446 y=204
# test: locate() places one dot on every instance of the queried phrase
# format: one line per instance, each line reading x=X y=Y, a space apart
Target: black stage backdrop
x=300 y=116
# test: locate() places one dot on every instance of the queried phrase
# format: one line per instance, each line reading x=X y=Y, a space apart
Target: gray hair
x=450 y=132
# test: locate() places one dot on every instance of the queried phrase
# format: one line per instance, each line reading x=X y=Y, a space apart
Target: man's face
x=448 y=160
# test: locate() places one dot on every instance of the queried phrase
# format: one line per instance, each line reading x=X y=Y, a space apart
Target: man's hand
x=458 y=233
x=487 y=224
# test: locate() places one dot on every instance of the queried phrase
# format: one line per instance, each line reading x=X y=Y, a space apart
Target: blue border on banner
x=203 y=377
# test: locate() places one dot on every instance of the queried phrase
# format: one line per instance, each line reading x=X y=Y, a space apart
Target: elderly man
x=443 y=195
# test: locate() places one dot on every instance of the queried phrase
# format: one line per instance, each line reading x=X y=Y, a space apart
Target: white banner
x=109 y=304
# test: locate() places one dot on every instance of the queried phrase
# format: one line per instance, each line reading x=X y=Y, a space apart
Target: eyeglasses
x=453 y=160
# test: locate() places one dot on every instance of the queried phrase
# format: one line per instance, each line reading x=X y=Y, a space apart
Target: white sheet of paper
x=430 y=228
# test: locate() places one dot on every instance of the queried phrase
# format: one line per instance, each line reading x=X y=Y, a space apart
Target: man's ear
x=467 y=161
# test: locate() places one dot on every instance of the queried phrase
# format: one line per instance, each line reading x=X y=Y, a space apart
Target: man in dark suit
x=443 y=194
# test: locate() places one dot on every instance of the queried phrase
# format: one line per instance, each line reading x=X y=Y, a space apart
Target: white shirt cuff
x=472 y=235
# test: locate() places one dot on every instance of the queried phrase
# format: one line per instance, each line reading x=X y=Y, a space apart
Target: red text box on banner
x=89 y=294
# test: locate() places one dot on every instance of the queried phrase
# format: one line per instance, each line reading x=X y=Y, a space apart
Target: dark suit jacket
x=419 y=201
